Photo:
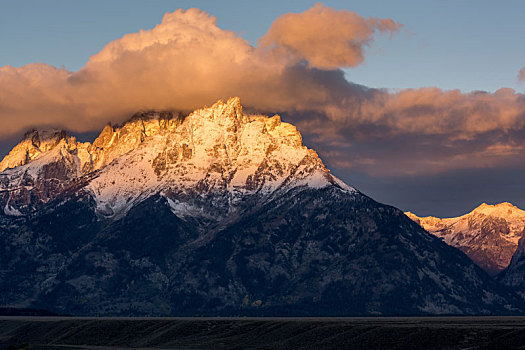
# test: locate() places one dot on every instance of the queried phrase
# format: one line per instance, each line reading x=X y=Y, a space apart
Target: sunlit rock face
x=489 y=234
x=216 y=213
x=34 y=143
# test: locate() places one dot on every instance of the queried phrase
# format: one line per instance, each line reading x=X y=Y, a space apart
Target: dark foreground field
x=255 y=333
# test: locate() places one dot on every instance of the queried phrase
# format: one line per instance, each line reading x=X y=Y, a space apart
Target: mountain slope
x=489 y=234
x=514 y=275
x=220 y=213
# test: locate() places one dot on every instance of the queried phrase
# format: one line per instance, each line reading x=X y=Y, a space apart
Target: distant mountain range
x=489 y=234
x=217 y=213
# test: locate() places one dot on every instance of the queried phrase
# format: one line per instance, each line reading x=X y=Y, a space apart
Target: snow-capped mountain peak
x=214 y=150
x=505 y=210
x=218 y=151
x=489 y=234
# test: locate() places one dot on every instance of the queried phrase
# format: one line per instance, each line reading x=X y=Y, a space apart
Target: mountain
x=215 y=213
x=33 y=144
x=489 y=234
x=514 y=275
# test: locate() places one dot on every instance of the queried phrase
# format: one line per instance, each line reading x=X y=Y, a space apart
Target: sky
x=401 y=99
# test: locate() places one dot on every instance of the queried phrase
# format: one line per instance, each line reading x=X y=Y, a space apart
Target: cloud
x=326 y=38
x=521 y=74
x=33 y=95
x=186 y=62
x=422 y=131
x=433 y=111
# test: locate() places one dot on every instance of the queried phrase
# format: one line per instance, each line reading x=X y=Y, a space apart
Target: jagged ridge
x=213 y=149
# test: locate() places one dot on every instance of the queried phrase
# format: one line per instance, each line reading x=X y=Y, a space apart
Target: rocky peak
x=45 y=139
x=229 y=110
x=105 y=137
x=34 y=143
x=117 y=140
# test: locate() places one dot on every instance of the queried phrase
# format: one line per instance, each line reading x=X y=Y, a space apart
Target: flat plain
x=263 y=333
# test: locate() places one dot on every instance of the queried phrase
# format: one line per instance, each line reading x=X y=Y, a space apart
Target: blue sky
x=469 y=45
